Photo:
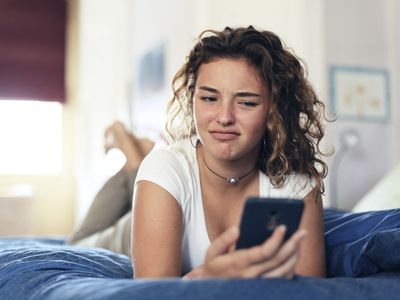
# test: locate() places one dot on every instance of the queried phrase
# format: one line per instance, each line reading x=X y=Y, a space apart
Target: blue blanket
x=363 y=249
x=361 y=244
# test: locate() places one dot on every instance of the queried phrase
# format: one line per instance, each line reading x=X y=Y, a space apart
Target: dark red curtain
x=32 y=49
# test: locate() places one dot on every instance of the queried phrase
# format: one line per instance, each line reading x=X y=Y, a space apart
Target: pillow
x=384 y=195
x=362 y=244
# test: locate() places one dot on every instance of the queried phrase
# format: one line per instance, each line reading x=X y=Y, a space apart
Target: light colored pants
x=116 y=238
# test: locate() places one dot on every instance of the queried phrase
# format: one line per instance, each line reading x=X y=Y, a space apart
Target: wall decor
x=359 y=93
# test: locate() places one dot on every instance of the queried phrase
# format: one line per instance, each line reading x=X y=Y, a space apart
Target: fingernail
x=282 y=228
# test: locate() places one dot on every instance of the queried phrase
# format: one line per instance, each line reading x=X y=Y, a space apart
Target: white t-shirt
x=175 y=168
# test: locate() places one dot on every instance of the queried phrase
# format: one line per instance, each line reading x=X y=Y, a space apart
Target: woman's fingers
x=271 y=259
x=289 y=257
x=195 y=273
x=285 y=270
x=285 y=261
x=237 y=264
x=222 y=243
x=221 y=262
x=245 y=257
x=279 y=256
x=263 y=252
x=273 y=244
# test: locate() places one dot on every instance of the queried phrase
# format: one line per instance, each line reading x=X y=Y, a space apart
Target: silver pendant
x=232 y=180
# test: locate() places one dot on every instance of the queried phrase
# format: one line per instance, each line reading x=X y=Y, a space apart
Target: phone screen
x=262 y=215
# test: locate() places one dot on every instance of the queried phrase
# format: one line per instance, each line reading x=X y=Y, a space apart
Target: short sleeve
x=300 y=185
x=164 y=168
x=296 y=186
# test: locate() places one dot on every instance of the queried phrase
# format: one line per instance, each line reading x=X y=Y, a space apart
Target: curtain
x=32 y=49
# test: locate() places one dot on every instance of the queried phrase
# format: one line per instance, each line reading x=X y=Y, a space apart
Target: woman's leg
x=107 y=223
x=134 y=149
x=111 y=203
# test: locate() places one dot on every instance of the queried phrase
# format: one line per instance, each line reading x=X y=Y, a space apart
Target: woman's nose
x=225 y=114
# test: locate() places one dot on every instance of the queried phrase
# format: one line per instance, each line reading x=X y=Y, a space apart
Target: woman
x=244 y=121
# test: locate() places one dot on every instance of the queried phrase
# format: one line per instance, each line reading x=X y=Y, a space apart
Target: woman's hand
x=273 y=258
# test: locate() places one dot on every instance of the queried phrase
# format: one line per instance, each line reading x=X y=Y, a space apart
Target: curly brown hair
x=294 y=128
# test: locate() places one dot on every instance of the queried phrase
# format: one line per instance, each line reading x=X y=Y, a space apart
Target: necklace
x=230 y=180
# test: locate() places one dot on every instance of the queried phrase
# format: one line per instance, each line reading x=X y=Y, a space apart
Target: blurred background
x=70 y=68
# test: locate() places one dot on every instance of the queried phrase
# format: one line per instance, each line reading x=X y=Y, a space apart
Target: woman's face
x=230 y=108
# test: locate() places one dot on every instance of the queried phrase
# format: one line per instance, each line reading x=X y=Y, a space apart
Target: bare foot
x=134 y=149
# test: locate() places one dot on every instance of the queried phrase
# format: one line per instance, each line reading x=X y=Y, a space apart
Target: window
x=32 y=39
x=31 y=138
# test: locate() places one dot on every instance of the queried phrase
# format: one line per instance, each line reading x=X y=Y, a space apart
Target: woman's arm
x=156 y=232
x=312 y=251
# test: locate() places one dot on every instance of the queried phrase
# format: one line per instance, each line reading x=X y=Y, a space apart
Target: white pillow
x=384 y=195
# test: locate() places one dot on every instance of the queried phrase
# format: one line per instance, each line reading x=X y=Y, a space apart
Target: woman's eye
x=208 y=99
x=248 y=103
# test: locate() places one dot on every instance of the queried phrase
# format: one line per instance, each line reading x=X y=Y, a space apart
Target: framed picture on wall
x=359 y=93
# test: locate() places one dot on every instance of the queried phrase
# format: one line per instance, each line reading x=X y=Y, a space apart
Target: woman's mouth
x=224 y=135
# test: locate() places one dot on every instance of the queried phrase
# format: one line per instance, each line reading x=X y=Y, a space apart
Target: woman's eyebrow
x=247 y=94
x=208 y=89
x=239 y=94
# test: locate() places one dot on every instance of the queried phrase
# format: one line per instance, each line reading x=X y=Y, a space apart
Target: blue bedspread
x=365 y=245
x=361 y=244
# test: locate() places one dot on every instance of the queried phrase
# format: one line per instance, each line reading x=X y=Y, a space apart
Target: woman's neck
x=236 y=174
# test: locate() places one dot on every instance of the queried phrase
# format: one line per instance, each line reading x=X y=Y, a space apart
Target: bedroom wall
x=365 y=33
x=112 y=39
x=103 y=90
x=170 y=40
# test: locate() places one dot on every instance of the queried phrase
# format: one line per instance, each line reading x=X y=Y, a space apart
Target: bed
x=363 y=262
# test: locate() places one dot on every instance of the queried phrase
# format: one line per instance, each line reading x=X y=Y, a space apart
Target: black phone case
x=261 y=216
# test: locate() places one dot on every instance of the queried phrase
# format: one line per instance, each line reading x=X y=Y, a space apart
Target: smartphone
x=262 y=215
